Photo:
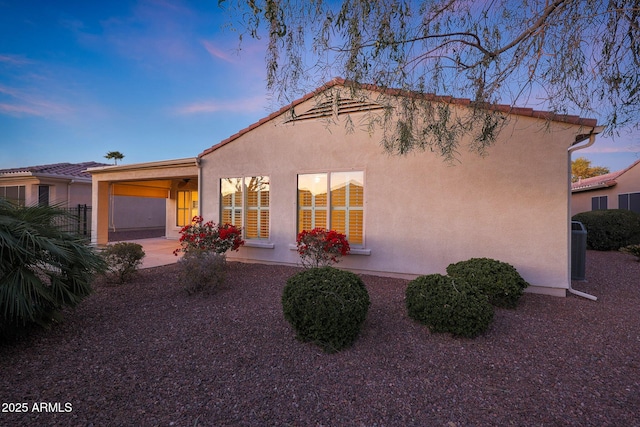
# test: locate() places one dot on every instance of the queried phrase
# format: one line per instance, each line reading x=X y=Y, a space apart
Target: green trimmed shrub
x=326 y=306
x=632 y=250
x=610 y=230
x=447 y=304
x=500 y=281
x=202 y=271
x=123 y=259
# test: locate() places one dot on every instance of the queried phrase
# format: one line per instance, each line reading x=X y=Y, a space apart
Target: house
x=69 y=186
x=403 y=215
x=615 y=190
x=63 y=184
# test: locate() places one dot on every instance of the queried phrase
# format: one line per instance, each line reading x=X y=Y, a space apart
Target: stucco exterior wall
x=420 y=213
x=65 y=193
x=581 y=201
x=629 y=182
x=79 y=194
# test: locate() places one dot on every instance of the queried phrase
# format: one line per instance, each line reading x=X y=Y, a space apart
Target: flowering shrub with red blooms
x=207 y=236
x=320 y=247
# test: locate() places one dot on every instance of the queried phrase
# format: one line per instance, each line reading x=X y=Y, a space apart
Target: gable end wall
x=420 y=213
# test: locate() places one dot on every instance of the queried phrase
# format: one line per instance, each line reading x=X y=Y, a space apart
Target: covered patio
x=176 y=181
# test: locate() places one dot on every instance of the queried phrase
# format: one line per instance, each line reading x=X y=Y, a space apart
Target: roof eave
x=600 y=185
x=37 y=175
x=163 y=164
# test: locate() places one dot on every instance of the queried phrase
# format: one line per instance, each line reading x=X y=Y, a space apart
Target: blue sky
x=153 y=79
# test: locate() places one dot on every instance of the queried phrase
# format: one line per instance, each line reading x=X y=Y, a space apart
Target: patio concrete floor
x=158 y=251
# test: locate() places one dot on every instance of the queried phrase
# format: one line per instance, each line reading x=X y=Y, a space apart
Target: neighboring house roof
x=56 y=170
x=600 y=181
x=324 y=110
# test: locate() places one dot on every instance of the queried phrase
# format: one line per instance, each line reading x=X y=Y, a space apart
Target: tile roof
x=63 y=170
x=600 y=181
x=503 y=108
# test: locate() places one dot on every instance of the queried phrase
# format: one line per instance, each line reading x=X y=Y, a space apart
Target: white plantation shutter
x=245 y=203
x=312 y=201
x=346 y=198
x=257 y=220
x=231 y=203
x=347 y=205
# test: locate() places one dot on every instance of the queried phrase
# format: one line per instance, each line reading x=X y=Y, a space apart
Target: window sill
x=353 y=251
x=258 y=244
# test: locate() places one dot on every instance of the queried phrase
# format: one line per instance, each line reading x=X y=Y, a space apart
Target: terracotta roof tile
x=546 y=115
x=71 y=170
x=600 y=181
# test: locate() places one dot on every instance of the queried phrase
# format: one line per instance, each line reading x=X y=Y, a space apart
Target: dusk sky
x=153 y=79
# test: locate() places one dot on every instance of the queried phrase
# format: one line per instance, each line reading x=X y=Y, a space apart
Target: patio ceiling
x=156 y=188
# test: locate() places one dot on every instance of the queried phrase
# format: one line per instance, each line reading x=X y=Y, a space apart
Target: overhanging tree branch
x=565 y=56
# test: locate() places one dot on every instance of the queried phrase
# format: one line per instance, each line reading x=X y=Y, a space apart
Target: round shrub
x=447 y=304
x=500 y=281
x=326 y=306
x=610 y=230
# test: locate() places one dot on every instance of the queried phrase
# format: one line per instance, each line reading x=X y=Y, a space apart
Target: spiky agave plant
x=42 y=267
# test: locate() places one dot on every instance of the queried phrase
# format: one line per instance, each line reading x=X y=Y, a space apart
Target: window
x=334 y=201
x=257 y=213
x=187 y=207
x=599 y=203
x=43 y=195
x=245 y=203
x=312 y=201
x=231 y=190
x=629 y=201
x=14 y=194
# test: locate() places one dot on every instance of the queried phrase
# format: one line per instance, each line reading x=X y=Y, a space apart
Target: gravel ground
x=147 y=354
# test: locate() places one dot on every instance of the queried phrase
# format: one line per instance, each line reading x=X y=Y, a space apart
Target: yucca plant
x=42 y=268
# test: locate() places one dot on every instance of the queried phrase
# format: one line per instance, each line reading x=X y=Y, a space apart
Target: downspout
x=591 y=139
x=69 y=193
x=199 y=164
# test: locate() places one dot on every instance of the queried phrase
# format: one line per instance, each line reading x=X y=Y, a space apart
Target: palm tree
x=115 y=155
x=42 y=268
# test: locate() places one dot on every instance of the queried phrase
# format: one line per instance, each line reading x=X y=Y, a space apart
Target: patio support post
x=100 y=213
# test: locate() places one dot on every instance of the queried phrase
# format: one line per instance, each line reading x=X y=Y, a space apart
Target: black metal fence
x=78 y=220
